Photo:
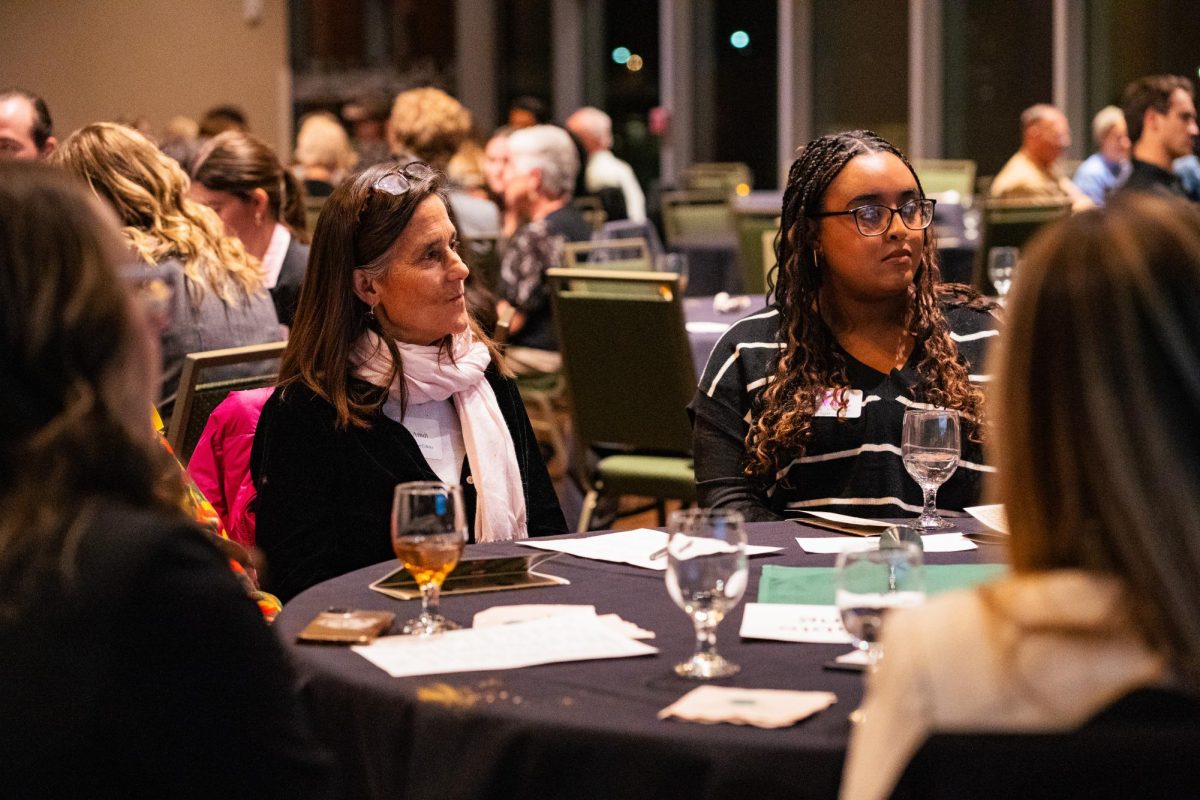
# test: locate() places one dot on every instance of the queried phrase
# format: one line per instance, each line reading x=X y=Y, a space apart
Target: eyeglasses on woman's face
x=874 y=220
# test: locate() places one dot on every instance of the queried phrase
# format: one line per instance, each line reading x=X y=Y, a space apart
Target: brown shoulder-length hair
x=1097 y=402
x=77 y=377
x=358 y=226
x=239 y=163
x=810 y=363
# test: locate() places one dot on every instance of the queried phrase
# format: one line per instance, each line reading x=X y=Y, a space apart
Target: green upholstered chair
x=196 y=398
x=630 y=376
x=592 y=211
x=940 y=176
x=699 y=219
x=1010 y=223
x=756 y=249
x=726 y=176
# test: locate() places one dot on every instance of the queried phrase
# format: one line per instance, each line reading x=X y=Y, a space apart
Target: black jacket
x=325 y=494
x=286 y=290
x=148 y=674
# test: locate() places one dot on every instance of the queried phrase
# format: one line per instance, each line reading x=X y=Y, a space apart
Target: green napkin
x=815 y=585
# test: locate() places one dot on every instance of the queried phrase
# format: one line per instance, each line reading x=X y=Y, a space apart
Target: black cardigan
x=325 y=494
x=148 y=674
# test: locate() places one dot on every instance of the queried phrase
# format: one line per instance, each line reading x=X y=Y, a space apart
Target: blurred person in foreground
x=801 y=406
x=1033 y=173
x=603 y=170
x=217 y=294
x=1107 y=168
x=134 y=664
x=1102 y=337
x=1161 y=113
x=387 y=378
x=26 y=130
x=239 y=177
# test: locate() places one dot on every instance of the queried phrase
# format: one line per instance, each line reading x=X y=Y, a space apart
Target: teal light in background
x=621 y=55
x=739 y=39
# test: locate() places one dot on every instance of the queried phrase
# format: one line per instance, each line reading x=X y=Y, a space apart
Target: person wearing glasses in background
x=386 y=379
x=801 y=406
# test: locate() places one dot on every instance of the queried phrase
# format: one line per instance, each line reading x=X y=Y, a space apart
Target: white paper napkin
x=763 y=708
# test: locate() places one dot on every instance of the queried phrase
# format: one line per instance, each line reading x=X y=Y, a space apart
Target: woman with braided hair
x=801 y=406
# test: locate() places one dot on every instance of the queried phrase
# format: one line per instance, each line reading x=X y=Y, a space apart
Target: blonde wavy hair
x=322 y=142
x=148 y=190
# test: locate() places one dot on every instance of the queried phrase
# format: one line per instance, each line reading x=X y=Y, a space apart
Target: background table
x=584 y=729
x=700 y=309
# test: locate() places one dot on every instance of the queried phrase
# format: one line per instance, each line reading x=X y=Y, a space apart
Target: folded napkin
x=762 y=708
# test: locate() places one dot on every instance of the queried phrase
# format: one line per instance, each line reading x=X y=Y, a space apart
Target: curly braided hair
x=811 y=363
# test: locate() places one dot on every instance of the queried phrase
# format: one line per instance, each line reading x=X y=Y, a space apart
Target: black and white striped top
x=852 y=465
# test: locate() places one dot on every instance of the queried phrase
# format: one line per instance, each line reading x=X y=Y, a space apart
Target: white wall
x=103 y=59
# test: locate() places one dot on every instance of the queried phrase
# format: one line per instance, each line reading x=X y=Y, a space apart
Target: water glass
x=1002 y=261
x=930 y=449
x=872 y=582
x=429 y=532
x=706 y=577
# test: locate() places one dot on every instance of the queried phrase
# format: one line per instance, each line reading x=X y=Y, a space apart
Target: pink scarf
x=500 y=495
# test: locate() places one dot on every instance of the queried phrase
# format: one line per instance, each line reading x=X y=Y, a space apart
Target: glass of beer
x=429 y=531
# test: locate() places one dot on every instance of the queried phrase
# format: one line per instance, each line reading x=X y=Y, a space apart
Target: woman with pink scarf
x=388 y=379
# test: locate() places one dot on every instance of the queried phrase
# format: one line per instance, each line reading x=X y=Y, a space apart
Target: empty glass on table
x=706 y=577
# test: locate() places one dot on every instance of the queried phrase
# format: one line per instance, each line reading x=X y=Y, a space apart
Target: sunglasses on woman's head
x=399 y=181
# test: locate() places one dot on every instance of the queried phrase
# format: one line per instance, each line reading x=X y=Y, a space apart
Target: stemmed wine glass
x=706 y=577
x=930 y=450
x=429 y=531
x=869 y=584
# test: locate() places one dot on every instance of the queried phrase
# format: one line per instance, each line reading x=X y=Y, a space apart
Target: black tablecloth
x=576 y=730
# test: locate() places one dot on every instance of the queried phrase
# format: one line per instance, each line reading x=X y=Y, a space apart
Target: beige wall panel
x=103 y=59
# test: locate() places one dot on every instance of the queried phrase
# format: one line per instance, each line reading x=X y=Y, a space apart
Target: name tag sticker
x=831 y=400
x=428 y=434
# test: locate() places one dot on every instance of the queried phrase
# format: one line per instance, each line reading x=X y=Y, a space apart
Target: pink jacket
x=220 y=464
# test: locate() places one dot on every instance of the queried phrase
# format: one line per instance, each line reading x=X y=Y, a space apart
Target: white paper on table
x=789 y=622
x=624 y=547
x=523 y=644
x=993 y=516
x=509 y=615
x=833 y=516
x=931 y=542
x=704 y=326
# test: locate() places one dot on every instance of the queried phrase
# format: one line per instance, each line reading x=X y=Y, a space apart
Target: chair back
x=196 y=398
x=628 y=229
x=1010 y=223
x=626 y=358
x=592 y=211
x=614 y=254
x=724 y=176
x=482 y=256
x=939 y=177
x=1143 y=745
x=698 y=219
x=754 y=233
x=312 y=210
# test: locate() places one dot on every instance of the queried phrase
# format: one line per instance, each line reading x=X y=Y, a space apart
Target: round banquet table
x=581 y=729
